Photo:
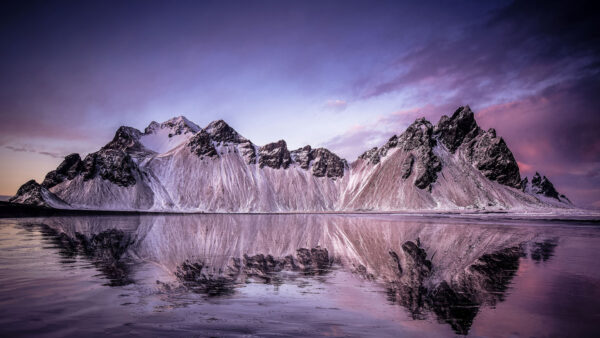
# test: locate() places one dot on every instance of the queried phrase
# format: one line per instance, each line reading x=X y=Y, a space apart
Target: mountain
x=178 y=166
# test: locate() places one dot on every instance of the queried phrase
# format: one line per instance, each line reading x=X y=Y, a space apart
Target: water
x=298 y=275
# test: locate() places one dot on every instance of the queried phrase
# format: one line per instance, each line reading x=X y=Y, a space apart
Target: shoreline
x=14 y=210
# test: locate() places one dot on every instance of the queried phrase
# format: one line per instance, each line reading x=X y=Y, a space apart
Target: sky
x=345 y=75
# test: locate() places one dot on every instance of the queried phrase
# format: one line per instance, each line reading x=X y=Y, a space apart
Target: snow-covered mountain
x=178 y=166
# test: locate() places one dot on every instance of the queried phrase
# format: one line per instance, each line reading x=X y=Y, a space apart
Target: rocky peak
x=28 y=193
x=32 y=193
x=419 y=133
x=375 y=154
x=125 y=138
x=371 y=155
x=324 y=162
x=202 y=145
x=491 y=156
x=303 y=156
x=418 y=141
x=113 y=165
x=220 y=131
x=454 y=131
x=176 y=125
x=274 y=155
x=67 y=170
x=541 y=185
x=486 y=151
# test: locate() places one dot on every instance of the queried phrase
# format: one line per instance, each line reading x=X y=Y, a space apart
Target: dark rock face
x=303 y=156
x=375 y=154
x=248 y=150
x=220 y=131
x=112 y=162
x=371 y=155
x=274 y=155
x=67 y=170
x=543 y=186
x=324 y=162
x=201 y=145
x=29 y=193
x=454 y=131
x=126 y=138
x=487 y=152
x=492 y=157
x=418 y=140
x=328 y=164
x=407 y=166
x=113 y=165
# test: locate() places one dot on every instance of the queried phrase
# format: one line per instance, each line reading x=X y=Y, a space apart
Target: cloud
x=29 y=149
x=518 y=50
x=336 y=105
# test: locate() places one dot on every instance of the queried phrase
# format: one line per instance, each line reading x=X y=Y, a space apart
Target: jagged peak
x=275 y=155
x=179 y=125
x=220 y=131
x=281 y=144
x=541 y=185
x=125 y=138
x=458 y=128
x=324 y=161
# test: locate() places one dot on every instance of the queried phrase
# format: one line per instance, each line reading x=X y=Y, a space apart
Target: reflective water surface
x=297 y=275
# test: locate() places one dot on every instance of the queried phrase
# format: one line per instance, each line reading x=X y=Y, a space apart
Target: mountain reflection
x=430 y=267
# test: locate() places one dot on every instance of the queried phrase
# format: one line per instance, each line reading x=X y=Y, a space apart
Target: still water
x=298 y=275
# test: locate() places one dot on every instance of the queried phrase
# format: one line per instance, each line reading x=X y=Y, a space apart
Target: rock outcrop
x=487 y=152
x=274 y=155
x=418 y=142
x=541 y=185
x=220 y=131
x=175 y=126
x=32 y=193
x=201 y=144
x=67 y=170
x=323 y=162
x=113 y=165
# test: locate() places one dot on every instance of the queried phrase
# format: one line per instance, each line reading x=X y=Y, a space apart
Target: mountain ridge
x=178 y=166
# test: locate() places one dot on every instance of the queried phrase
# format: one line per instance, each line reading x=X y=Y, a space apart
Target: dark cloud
x=29 y=149
x=519 y=48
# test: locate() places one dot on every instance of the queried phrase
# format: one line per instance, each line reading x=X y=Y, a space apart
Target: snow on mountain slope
x=163 y=137
x=177 y=166
x=417 y=170
x=227 y=183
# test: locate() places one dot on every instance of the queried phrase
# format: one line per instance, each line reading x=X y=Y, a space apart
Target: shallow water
x=297 y=275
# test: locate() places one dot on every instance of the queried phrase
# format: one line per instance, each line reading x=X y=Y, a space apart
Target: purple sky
x=346 y=75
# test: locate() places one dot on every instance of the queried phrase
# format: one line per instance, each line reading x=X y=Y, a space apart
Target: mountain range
x=177 y=166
